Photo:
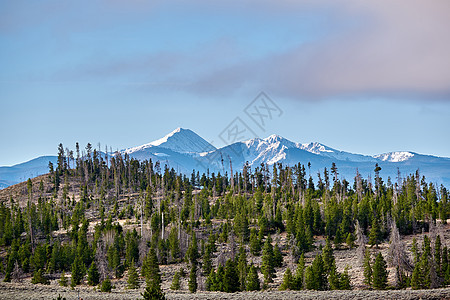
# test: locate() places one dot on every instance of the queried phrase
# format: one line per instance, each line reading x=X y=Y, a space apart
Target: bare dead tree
x=100 y=260
x=361 y=241
x=17 y=273
x=397 y=255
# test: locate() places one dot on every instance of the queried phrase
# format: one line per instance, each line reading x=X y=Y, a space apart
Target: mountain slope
x=21 y=172
x=180 y=140
x=184 y=150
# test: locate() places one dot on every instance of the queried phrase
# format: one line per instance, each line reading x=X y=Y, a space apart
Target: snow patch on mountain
x=180 y=140
x=322 y=150
x=395 y=156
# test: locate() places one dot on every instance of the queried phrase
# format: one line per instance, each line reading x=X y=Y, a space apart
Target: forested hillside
x=101 y=220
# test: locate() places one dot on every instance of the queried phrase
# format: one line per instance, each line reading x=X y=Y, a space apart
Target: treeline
x=185 y=217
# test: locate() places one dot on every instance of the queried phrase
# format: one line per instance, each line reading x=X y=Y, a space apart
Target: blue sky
x=366 y=77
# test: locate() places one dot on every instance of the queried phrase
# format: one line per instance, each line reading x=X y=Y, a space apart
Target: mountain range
x=184 y=150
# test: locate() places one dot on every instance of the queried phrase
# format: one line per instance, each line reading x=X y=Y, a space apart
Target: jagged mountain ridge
x=184 y=150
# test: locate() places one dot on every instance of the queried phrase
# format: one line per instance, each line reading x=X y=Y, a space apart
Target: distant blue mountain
x=184 y=150
x=23 y=171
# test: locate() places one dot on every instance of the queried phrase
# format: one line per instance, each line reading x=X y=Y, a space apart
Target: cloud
x=400 y=50
x=397 y=49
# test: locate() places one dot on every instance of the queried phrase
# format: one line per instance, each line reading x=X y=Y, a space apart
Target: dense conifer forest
x=96 y=218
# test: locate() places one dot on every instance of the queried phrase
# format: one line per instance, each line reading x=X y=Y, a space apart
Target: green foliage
x=368 y=273
x=38 y=277
x=106 y=286
x=176 y=281
x=268 y=264
x=231 y=279
x=151 y=292
x=150 y=269
x=299 y=274
x=380 y=273
x=255 y=242
x=375 y=233
x=93 y=277
x=192 y=283
x=277 y=257
x=252 y=283
x=315 y=275
x=63 y=279
x=242 y=268
x=288 y=280
x=133 y=277
x=78 y=271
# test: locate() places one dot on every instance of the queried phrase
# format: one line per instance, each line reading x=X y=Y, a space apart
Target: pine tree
x=255 y=243
x=288 y=280
x=193 y=278
x=38 y=277
x=93 y=275
x=437 y=256
x=252 y=279
x=106 y=285
x=380 y=273
x=78 y=271
x=350 y=240
x=267 y=267
x=211 y=281
x=277 y=257
x=367 y=269
x=328 y=257
x=207 y=262
x=133 y=277
x=415 y=277
x=153 y=293
x=375 y=233
x=345 y=280
x=231 y=278
x=176 y=281
x=299 y=273
x=63 y=279
x=150 y=269
x=242 y=268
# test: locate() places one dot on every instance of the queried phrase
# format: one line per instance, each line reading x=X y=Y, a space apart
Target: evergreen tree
x=106 y=285
x=153 y=293
x=150 y=269
x=63 y=279
x=193 y=278
x=211 y=281
x=38 y=277
x=367 y=268
x=375 y=233
x=380 y=273
x=133 y=277
x=288 y=280
x=78 y=271
x=231 y=278
x=255 y=243
x=176 y=281
x=268 y=266
x=93 y=275
x=207 y=262
x=350 y=240
x=252 y=279
x=277 y=257
x=345 y=280
x=242 y=268
x=299 y=274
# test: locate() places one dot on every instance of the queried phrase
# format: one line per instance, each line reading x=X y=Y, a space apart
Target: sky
x=361 y=76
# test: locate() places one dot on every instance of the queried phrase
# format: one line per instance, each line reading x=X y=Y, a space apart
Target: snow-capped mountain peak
x=316 y=148
x=180 y=140
x=398 y=156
